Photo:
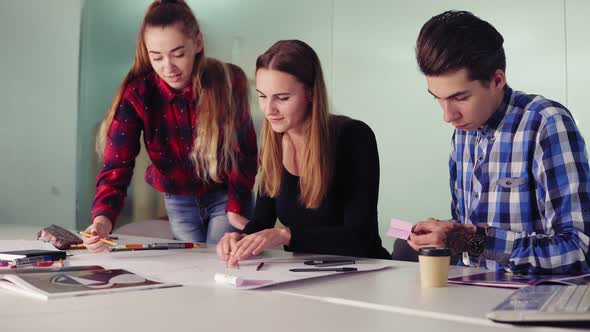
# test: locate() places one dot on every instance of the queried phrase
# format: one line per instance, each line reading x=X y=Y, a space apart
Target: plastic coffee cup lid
x=431 y=251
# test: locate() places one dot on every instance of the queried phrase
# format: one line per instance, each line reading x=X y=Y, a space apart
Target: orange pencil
x=101 y=239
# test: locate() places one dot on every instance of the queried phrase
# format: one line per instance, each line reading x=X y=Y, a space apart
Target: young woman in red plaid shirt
x=197 y=130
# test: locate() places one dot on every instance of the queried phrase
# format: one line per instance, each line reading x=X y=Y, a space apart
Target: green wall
x=108 y=36
x=39 y=46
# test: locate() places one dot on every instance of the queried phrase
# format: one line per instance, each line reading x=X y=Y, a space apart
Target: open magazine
x=503 y=279
x=73 y=281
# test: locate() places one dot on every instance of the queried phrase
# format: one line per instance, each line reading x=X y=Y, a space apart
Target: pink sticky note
x=399 y=229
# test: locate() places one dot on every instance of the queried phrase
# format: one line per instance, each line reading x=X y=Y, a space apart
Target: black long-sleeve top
x=346 y=221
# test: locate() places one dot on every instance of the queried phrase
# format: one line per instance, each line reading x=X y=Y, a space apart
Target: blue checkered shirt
x=525 y=174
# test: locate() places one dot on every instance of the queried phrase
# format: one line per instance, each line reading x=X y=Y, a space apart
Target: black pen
x=333 y=269
x=329 y=262
x=334 y=263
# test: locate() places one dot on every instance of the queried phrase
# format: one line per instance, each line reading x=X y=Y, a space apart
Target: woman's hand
x=101 y=227
x=253 y=244
x=237 y=221
x=227 y=245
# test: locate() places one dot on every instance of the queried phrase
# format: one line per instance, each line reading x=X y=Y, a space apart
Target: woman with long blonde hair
x=319 y=173
x=194 y=116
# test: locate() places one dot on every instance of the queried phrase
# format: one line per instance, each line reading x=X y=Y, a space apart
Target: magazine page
x=78 y=282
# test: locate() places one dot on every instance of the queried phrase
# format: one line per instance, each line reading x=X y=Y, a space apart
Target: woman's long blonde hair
x=219 y=102
x=296 y=58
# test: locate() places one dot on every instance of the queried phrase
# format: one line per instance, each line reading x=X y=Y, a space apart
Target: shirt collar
x=496 y=119
x=170 y=94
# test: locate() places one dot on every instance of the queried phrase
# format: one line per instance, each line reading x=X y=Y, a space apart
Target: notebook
x=73 y=281
x=545 y=303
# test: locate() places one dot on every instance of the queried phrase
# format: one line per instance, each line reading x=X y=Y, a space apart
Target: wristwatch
x=477 y=243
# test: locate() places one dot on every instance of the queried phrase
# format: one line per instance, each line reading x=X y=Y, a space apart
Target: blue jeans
x=198 y=218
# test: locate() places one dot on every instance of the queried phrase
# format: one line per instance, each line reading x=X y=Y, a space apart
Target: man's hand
x=441 y=234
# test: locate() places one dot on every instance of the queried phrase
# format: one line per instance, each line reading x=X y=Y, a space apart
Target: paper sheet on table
x=273 y=273
x=399 y=229
x=198 y=268
x=11 y=245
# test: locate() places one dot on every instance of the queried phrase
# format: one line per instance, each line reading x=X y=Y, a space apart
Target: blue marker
x=30 y=260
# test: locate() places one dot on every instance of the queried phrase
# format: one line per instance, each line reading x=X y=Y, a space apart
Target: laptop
x=545 y=303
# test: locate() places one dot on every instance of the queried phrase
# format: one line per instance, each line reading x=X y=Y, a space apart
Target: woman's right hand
x=100 y=228
x=227 y=245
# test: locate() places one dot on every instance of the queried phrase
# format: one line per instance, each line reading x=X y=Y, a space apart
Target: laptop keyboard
x=570 y=299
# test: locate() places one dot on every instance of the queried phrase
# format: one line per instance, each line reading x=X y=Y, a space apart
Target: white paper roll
x=222 y=278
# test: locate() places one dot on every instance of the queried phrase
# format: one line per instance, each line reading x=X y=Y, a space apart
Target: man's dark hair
x=455 y=40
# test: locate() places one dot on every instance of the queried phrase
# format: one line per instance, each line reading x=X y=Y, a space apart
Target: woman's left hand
x=253 y=244
x=237 y=221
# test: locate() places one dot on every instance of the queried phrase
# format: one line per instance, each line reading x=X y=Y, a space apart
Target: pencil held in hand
x=101 y=239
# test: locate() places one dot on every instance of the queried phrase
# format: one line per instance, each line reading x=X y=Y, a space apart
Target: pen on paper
x=101 y=239
x=259 y=266
x=176 y=245
x=329 y=262
x=172 y=245
x=334 y=264
x=137 y=249
x=331 y=269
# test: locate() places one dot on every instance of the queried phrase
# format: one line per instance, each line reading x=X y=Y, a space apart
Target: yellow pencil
x=101 y=239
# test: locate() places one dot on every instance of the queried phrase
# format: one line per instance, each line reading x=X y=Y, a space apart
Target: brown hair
x=215 y=135
x=455 y=40
x=296 y=58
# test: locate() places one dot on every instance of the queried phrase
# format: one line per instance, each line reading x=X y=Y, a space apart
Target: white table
x=388 y=300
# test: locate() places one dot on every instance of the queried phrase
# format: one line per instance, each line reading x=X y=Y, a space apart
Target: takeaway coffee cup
x=434 y=266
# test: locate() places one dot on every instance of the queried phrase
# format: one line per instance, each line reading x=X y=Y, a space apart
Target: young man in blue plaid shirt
x=519 y=174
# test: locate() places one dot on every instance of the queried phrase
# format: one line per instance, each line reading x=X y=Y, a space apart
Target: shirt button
x=480 y=158
x=476 y=195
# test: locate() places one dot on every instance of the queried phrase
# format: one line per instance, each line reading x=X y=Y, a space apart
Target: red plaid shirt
x=167 y=120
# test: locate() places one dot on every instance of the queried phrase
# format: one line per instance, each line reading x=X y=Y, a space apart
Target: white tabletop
x=399 y=287
x=373 y=301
